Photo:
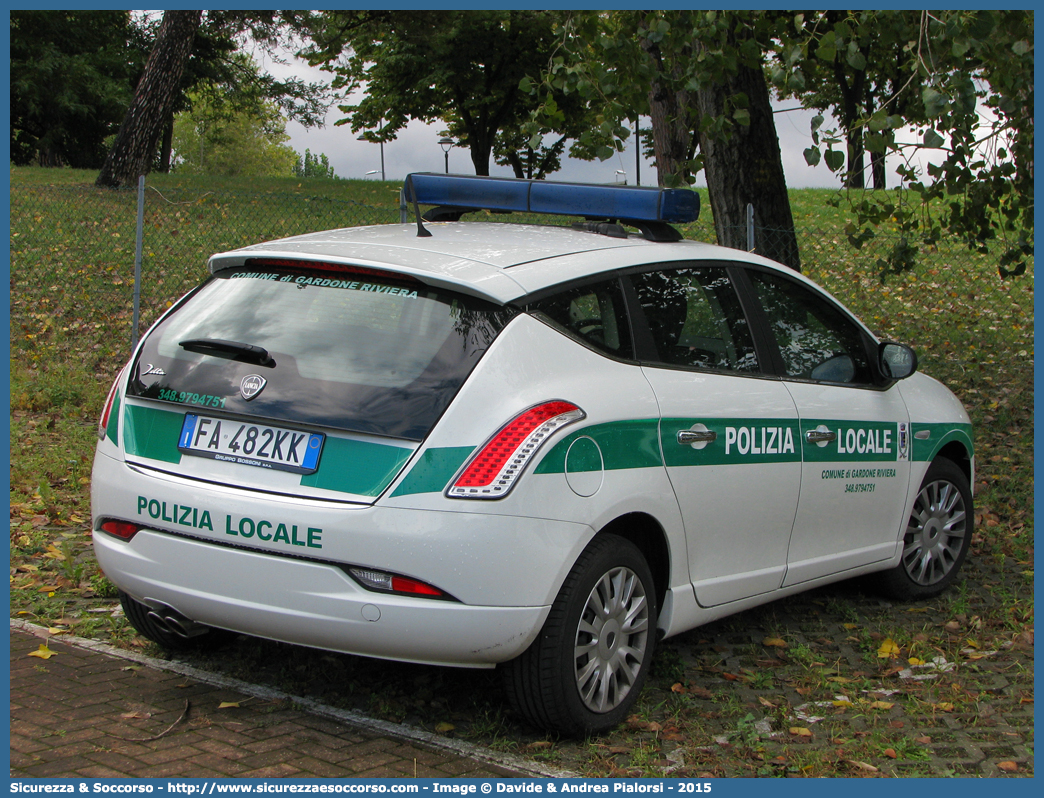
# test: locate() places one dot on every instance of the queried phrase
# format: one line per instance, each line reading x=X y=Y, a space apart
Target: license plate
x=257 y=445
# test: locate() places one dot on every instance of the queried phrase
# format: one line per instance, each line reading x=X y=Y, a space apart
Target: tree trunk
x=877 y=169
x=746 y=168
x=135 y=144
x=851 y=95
x=166 y=145
x=672 y=124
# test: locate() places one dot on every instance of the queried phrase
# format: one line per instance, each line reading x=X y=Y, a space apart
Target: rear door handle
x=687 y=437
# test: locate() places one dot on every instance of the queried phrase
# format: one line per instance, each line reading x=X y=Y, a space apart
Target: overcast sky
x=417 y=148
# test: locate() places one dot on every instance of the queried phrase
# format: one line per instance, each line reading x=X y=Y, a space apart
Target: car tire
x=938 y=534
x=587 y=667
x=149 y=625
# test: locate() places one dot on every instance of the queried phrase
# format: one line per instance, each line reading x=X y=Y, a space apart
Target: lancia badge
x=252 y=385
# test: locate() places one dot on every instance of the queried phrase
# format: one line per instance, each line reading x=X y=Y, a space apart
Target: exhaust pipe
x=173 y=622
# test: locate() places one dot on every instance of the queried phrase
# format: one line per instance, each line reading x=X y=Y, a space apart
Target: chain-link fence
x=73 y=261
x=73 y=255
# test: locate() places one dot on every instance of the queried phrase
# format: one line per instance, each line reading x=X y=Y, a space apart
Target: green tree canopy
x=963 y=80
x=700 y=77
x=216 y=137
x=72 y=75
x=461 y=67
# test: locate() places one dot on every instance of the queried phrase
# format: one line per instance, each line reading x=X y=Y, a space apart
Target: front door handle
x=687 y=437
x=820 y=436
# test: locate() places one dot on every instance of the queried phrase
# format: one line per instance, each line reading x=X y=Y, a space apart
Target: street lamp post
x=363 y=138
x=447 y=145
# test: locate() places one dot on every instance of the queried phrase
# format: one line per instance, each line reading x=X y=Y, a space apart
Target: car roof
x=498 y=261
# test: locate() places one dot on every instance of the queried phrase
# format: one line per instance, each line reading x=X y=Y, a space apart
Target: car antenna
x=422 y=232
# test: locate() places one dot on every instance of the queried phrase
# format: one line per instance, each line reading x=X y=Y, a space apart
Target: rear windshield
x=359 y=350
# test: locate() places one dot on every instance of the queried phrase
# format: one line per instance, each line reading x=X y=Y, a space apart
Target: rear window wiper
x=233 y=350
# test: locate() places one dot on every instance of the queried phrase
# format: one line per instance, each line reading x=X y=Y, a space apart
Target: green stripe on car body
x=152 y=433
x=433 y=470
x=738 y=441
x=362 y=468
x=926 y=448
x=112 y=429
x=624 y=444
x=856 y=442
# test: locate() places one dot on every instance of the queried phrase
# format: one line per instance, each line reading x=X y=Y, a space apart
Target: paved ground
x=90 y=712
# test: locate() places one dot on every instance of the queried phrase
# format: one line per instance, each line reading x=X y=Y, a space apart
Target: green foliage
x=461 y=67
x=72 y=75
x=217 y=138
x=963 y=81
x=317 y=166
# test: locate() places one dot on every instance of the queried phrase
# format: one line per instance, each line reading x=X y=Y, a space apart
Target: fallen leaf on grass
x=925 y=740
x=800 y=731
x=1008 y=767
x=888 y=649
x=679 y=688
x=775 y=642
x=43 y=652
x=139 y=715
x=444 y=727
x=881 y=705
x=890 y=753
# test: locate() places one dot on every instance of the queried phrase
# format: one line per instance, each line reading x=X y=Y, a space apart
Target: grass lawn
x=72 y=277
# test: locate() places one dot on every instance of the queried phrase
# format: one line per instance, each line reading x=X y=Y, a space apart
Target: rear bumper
x=311 y=604
x=284 y=580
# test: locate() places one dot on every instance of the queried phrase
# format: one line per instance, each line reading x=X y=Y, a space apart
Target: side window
x=594 y=313
x=695 y=319
x=816 y=340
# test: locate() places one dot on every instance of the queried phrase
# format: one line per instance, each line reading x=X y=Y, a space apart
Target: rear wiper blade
x=233 y=350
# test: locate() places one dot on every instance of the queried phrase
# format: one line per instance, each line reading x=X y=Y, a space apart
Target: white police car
x=538 y=447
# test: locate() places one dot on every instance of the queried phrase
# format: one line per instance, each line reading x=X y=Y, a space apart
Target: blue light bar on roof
x=679 y=205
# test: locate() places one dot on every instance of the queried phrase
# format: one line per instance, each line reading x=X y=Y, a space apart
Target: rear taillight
x=393 y=583
x=104 y=422
x=124 y=530
x=493 y=471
